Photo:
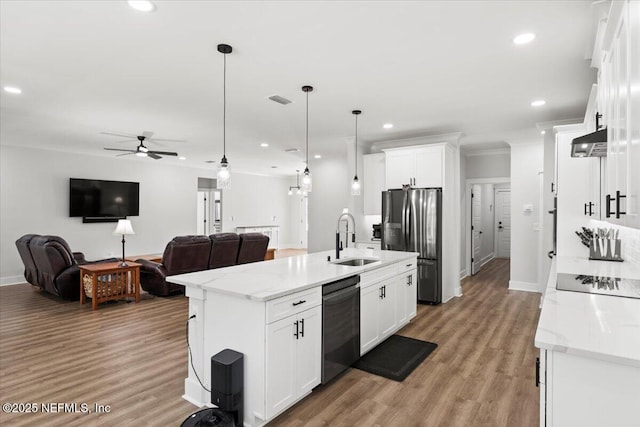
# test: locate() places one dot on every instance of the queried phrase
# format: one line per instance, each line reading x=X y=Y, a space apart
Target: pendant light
x=297 y=186
x=355 y=184
x=306 y=178
x=223 y=176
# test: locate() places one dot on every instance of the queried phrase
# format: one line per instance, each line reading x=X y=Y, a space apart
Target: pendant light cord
x=356 y=145
x=307 y=129
x=224 y=107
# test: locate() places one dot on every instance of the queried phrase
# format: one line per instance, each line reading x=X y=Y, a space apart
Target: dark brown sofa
x=51 y=265
x=186 y=254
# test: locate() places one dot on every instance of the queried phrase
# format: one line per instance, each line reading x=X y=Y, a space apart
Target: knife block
x=602 y=249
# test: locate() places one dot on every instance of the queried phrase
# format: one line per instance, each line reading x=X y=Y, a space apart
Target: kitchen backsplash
x=630 y=239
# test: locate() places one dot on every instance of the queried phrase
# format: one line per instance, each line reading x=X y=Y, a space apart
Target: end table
x=109 y=281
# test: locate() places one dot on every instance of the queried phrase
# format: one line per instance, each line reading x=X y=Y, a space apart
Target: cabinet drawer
x=372 y=277
x=407 y=265
x=292 y=304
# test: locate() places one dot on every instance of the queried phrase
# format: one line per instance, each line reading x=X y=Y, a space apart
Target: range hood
x=592 y=144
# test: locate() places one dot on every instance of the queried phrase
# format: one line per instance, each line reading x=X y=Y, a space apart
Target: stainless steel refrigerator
x=412 y=222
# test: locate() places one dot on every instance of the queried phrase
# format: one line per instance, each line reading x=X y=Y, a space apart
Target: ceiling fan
x=141 y=150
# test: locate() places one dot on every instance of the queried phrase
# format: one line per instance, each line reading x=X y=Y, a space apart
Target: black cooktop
x=602 y=285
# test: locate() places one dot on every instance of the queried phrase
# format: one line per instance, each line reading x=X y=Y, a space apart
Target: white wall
x=34 y=190
x=527 y=159
x=330 y=194
x=488 y=164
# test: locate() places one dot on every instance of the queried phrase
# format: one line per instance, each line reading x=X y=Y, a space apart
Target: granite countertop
x=596 y=326
x=263 y=281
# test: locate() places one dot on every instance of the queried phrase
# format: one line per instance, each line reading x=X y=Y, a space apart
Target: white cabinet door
x=428 y=169
x=401 y=299
x=281 y=367
x=369 y=334
x=308 y=351
x=387 y=308
x=374 y=183
x=399 y=167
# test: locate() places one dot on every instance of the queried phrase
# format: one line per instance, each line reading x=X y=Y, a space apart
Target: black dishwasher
x=340 y=326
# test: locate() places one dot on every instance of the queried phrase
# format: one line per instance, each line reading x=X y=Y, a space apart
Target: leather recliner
x=224 y=249
x=56 y=266
x=30 y=271
x=253 y=248
x=183 y=254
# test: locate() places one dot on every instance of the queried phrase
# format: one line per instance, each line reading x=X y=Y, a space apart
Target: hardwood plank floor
x=133 y=357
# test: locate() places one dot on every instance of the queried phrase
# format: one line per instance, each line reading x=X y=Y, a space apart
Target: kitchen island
x=252 y=309
x=589 y=344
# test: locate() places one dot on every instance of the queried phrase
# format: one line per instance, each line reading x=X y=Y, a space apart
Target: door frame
x=472 y=271
x=467 y=217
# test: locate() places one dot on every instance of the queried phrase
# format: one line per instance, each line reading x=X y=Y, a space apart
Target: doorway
x=503 y=222
x=480 y=229
x=209 y=207
x=304 y=221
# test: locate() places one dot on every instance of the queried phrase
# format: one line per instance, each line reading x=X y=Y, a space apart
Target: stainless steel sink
x=356 y=262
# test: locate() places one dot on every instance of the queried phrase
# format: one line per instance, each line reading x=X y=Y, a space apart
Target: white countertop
x=597 y=326
x=262 y=281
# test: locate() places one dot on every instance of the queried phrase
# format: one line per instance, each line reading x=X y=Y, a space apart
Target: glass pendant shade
x=223 y=177
x=355 y=186
x=290 y=192
x=307 y=182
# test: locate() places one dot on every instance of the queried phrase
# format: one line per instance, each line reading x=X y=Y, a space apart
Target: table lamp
x=123 y=227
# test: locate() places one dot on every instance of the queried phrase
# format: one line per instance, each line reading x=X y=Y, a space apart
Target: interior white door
x=203 y=212
x=304 y=221
x=503 y=223
x=476 y=225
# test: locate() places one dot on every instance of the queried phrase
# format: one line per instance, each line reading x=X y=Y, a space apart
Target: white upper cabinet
x=374 y=183
x=619 y=81
x=417 y=166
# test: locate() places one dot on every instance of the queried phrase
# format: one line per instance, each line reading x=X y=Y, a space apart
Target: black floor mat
x=396 y=357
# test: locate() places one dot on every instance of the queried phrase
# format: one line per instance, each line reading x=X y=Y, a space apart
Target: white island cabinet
x=589 y=365
x=271 y=312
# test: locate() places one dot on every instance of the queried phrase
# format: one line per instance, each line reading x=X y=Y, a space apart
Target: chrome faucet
x=346 y=234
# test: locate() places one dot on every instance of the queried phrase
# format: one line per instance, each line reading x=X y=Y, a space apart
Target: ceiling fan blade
x=124 y=154
x=153 y=155
x=120 y=149
x=163 y=153
x=147 y=134
x=125 y=135
x=165 y=140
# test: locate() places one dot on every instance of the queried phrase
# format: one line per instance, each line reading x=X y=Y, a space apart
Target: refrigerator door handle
x=405 y=200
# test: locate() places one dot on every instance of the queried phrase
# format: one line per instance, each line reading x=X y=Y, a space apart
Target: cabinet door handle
x=585 y=209
x=384 y=291
x=618 y=197
x=591 y=204
x=380 y=293
x=409 y=265
x=537 y=372
x=552 y=187
x=297 y=329
x=608 y=212
x=302 y=301
x=301 y=328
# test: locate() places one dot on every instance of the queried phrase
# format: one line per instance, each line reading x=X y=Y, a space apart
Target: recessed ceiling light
x=142 y=5
x=182 y=158
x=292 y=150
x=388 y=125
x=14 y=90
x=543 y=132
x=538 y=103
x=317 y=156
x=264 y=144
x=209 y=161
x=524 y=38
x=274 y=167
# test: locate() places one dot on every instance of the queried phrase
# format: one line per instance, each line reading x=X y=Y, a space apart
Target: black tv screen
x=97 y=198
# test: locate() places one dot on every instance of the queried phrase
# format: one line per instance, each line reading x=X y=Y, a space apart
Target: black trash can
x=210 y=417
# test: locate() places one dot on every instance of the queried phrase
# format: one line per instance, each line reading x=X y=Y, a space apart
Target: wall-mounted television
x=97 y=200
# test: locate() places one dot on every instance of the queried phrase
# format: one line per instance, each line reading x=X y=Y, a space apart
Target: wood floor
x=133 y=357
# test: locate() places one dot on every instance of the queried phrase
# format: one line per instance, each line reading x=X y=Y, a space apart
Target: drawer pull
x=409 y=265
x=302 y=301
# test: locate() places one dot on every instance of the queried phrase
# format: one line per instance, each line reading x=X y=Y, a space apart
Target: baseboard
x=486 y=259
x=11 y=280
x=463 y=273
x=515 y=285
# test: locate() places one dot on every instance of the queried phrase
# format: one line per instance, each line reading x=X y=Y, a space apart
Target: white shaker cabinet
x=374 y=183
x=419 y=166
x=377 y=313
x=618 y=81
x=293 y=346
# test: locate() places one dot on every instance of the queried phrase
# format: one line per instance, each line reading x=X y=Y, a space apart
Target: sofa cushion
x=224 y=249
x=253 y=247
x=185 y=254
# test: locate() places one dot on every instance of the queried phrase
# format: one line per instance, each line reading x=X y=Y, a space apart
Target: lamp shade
x=123 y=227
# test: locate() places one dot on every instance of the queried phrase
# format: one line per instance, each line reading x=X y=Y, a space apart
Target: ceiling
x=427 y=67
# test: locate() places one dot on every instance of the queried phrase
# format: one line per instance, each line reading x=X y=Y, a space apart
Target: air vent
x=292 y=150
x=209 y=161
x=279 y=99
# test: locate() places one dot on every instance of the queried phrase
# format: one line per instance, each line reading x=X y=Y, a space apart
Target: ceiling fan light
x=142 y=5
x=143 y=149
x=141 y=154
